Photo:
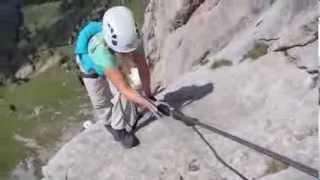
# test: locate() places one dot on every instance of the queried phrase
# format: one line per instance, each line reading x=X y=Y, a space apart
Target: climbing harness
x=167 y=110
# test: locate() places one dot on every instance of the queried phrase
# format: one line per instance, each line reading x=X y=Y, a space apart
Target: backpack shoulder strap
x=85 y=35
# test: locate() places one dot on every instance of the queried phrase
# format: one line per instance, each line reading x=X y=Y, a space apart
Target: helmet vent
x=111 y=29
x=113 y=35
x=138 y=33
x=114 y=42
x=137 y=30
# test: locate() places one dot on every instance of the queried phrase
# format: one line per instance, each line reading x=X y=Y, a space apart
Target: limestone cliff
x=181 y=35
x=249 y=68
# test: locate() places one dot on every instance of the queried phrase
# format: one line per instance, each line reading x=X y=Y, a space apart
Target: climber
x=101 y=50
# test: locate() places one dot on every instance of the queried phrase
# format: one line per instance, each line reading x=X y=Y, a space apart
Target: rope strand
x=217 y=155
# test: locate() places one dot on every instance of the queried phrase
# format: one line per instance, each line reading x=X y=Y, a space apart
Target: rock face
x=180 y=34
x=248 y=68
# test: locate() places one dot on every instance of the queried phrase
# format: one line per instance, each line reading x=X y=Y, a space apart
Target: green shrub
x=220 y=63
x=260 y=49
x=274 y=167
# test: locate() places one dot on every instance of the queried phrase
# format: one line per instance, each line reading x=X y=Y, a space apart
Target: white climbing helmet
x=120 y=30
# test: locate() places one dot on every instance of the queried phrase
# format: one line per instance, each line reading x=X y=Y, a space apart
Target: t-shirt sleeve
x=103 y=59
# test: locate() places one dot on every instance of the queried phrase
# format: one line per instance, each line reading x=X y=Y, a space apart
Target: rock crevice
x=182 y=17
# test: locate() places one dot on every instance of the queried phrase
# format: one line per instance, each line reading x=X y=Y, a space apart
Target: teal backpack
x=81 y=48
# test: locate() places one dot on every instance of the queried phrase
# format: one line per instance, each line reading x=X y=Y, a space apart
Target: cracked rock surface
x=199 y=51
x=220 y=29
x=274 y=111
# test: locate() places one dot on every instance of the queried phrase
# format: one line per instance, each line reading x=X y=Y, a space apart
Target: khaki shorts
x=109 y=105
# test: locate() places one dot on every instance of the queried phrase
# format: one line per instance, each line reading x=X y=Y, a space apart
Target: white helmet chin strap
x=120 y=30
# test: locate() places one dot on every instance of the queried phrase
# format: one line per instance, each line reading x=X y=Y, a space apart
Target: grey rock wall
x=218 y=29
x=248 y=68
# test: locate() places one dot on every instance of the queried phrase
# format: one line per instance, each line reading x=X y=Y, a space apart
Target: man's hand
x=163 y=109
x=152 y=98
x=152 y=107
